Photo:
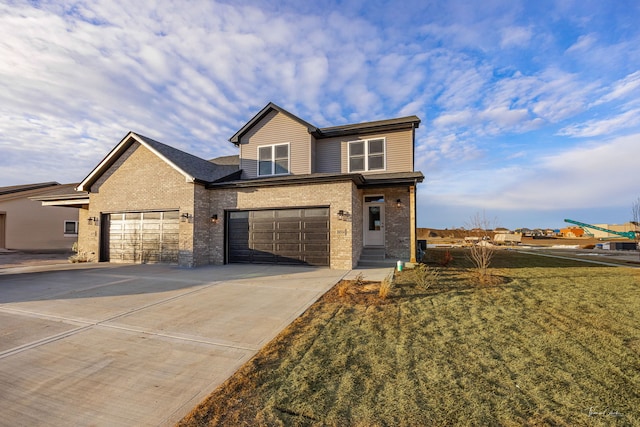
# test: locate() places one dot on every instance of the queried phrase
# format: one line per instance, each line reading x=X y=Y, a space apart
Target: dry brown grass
x=556 y=342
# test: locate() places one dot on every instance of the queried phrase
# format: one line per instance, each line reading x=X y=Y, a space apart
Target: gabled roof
x=261 y=114
x=193 y=168
x=26 y=187
x=408 y=122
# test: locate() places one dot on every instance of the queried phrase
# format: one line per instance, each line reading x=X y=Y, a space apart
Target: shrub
x=343 y=288
x=386 y=286
x=424 y=276
x=446 y=258
x=80 y=257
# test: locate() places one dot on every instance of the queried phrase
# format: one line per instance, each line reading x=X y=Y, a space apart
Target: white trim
x=273 y=163
x=65 y=202
x=64 y=229
x=366 y=154
x=365 y=220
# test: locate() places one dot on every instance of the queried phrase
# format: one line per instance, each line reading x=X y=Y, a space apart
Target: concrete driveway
x=137 y=344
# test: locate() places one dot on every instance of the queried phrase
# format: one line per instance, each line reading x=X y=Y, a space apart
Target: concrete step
x=373 y=252
x=377 y=263
x=374 y=257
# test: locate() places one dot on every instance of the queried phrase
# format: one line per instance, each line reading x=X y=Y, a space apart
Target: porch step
x=377 y=263
x=374 y=257
x=372 y=253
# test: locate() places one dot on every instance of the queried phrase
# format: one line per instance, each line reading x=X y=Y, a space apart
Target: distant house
x=572 y=232
x=296 y=194
x=25 y=224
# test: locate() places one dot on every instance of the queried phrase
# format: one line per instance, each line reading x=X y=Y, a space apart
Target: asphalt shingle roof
x=201 y=169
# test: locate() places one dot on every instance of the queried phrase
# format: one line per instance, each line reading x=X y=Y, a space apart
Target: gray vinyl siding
x=314 y=157
x=328 y=155
x=332 y=153
x=276 y=128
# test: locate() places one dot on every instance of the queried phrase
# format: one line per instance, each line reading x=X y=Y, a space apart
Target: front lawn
x=550 y=342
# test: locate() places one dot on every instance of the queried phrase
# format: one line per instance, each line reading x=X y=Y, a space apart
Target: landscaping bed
x=548 y=342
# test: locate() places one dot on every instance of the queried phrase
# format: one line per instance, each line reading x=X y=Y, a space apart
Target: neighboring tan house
x=25 y=224
x=296 y=194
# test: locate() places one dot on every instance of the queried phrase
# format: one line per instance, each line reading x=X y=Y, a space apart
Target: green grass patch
x=552 y=342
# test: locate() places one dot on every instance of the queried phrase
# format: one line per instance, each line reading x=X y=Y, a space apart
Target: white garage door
x=144 y=237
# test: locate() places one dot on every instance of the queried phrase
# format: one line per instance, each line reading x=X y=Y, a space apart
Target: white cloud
x=515 y=37
x=623 y=88
x=583 y=43
x=610 y=125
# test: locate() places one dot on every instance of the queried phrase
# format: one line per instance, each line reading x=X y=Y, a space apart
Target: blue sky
x=530 y=110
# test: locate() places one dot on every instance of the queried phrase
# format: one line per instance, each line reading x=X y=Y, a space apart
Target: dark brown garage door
x=142 y=237
x=283 y=236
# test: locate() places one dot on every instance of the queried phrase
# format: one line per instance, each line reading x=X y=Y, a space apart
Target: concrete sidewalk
x=137 y=344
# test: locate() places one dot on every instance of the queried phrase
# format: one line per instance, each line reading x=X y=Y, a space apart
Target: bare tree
x=481 y=252
x=635 y=215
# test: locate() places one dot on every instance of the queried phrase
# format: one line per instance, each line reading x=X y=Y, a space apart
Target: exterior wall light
x=214 y=218
x=93 y=220
x=398 y=203
x=186 y=216
x=343 y=215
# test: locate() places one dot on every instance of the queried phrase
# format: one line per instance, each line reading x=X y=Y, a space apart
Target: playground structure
x=628 y=234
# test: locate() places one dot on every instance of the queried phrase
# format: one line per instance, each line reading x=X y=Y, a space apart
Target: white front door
x=373 y=222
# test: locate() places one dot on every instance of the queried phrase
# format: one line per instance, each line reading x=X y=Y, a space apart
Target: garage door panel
x=288 y=248
x=315 y=237
x=316 y=225
x=262 y=226
x=288 y=236
x=290 y=226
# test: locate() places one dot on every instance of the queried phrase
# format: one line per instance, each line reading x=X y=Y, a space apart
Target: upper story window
x=367 y=155
x=273 y=159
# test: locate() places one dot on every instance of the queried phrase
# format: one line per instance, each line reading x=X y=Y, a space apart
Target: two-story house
x=296 y=194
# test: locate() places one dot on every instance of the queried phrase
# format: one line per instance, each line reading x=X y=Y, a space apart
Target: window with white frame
x=70 y=228
x=367 y=155
x=273 y=159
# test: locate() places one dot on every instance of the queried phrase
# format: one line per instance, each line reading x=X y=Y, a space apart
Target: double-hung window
x=273 y=159
x=367 y=155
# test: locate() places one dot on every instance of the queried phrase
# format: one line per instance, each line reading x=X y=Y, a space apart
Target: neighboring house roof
x=193 y=168
x=35 y=192
x=26 y=187
x=408 y=122
x=63 y=195
x=261 y=114
x=382 y=179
